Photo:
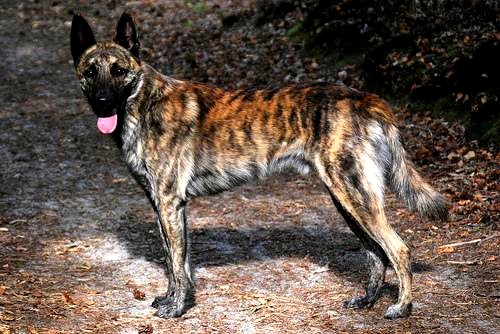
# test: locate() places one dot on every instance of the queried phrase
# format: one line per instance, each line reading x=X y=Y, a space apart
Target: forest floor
x=79 y=249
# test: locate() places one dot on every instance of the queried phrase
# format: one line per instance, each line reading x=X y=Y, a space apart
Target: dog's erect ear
x=126 y=34
x=82 y=37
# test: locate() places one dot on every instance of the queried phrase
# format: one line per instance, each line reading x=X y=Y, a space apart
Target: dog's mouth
x=107 y=124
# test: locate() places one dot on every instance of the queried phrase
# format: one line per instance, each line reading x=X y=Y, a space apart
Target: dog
x=182 y=139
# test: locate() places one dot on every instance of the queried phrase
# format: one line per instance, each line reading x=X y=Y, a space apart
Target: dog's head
x=108 y=71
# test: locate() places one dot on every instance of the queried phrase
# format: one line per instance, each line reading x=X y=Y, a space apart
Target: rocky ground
x=79 y=249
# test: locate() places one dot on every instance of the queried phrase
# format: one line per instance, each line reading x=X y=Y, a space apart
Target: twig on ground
x=475 y=241
x=464 y=262
x=17 y=221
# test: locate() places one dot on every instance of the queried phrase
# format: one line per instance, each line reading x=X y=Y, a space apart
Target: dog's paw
x=162 y=300
x=171 y=310
x=358 y=302
x=169 y=306
x=398 y=311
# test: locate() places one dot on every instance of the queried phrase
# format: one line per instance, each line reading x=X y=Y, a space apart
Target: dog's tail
x=407 y=183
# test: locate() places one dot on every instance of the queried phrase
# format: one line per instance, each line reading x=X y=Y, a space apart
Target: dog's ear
x=126 y=34
x=82 y=37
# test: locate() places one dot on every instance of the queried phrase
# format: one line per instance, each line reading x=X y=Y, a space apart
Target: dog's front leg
x=172 y=224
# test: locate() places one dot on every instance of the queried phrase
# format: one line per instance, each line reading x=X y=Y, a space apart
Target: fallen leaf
x=32 y=330
x=52 y=331
x=67 y=298
x=470 y=155
x=119 y=180
x=138 y=294
x=464 y=234
x=262 y=300
x=478 y=197
x=446 y=250
x=4 y=329
x=429 y=282
x=89 y=302
x=36 y=293
x=7 y=316
x=145 y=329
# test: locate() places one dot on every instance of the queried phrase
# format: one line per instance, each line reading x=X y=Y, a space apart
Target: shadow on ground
x=340 y=251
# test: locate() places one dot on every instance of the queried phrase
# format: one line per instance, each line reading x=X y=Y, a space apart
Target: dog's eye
x=90 y=72
x=118 y=71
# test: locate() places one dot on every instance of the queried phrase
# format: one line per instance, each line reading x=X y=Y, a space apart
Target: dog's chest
x=132 y=146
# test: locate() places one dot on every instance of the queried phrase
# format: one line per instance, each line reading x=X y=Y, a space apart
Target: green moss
x=452 y=50
x=197 y=6
x=342 y=60
x=200 y=7
x=448 y=109
x=296 y=31
x=443 y=107
x=188 y=23
x=489 y=132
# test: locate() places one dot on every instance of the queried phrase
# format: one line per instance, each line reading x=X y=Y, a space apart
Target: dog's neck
x=146 y=88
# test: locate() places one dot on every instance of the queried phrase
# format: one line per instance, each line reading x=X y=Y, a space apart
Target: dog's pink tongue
x=107 y=124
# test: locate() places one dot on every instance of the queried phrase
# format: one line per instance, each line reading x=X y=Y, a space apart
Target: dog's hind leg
x=376 y=225
x=377 y=260
x=172 y=223
x=358 y=194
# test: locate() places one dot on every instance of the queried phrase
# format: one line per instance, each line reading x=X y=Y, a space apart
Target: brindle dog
x=182 y=139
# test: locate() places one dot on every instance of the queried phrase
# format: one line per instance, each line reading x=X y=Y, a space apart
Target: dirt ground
x=79 y=249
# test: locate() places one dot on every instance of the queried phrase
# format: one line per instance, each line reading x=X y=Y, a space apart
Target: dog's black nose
x=103 y=100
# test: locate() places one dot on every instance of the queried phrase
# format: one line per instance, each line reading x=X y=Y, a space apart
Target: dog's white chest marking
x=132 y=145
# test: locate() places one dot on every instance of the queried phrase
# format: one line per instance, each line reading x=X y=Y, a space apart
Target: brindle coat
x=182 y=139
